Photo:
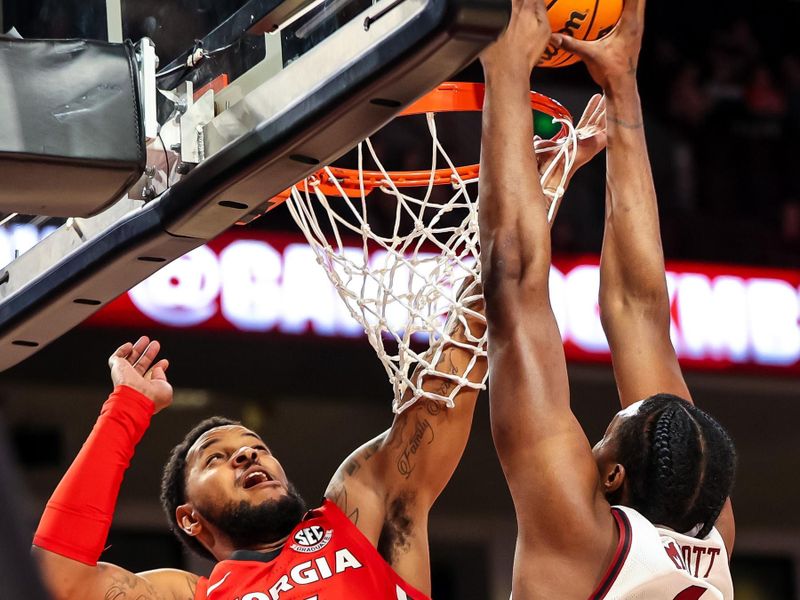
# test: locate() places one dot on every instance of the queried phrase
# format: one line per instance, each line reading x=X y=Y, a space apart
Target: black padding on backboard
x=237 y=180
x=71 y=139
x=100 y=270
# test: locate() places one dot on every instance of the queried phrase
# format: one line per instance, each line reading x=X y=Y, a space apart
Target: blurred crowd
x=722 y=111
x=733 y=113
x=722 y=107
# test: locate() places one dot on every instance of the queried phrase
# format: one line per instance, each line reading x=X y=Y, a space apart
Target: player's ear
x=188 y=520
x=613 y=479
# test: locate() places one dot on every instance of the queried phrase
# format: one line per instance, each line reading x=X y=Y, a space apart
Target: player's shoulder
x=173 y=583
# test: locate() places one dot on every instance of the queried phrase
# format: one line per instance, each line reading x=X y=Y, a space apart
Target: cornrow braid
x=662 y=453
x=680 y=464
x=717 y=440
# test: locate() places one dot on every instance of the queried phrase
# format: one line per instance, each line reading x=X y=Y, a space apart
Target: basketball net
x=404 y=283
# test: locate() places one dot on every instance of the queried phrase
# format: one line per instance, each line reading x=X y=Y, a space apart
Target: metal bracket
x=148 y=63
x=192 y=122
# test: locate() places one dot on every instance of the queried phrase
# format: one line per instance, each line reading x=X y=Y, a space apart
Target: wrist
x=621 y=88
x=507 y=69
x=125 y=395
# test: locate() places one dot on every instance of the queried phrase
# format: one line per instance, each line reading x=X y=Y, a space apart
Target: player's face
x=605 y=450
x=231 y=464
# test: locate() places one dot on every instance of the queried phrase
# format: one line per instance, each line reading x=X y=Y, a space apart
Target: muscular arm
x=71 y=580
x=75 y=524
x=634 y=302
x=388 y=486
x=543 y=451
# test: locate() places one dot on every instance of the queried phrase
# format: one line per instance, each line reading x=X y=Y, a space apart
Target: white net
x=406 y=262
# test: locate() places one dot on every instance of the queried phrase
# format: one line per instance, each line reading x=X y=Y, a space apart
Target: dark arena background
x=720 y=86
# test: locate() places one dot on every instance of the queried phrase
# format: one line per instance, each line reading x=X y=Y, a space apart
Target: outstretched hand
x=612 y=60
x=525 y=39
x=135 y=366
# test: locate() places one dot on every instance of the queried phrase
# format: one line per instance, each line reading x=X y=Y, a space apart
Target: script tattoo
x=422 y=434
x=434 y=407
x=445 y=365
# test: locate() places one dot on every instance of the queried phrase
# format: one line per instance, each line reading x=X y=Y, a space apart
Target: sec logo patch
x=311 y=539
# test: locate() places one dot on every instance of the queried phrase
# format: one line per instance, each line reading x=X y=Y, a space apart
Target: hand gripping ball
x=582 y=19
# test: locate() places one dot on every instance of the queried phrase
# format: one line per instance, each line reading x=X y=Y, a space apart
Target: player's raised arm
x=387 y=486
x=634 y=302
x=73 y=529
x=543 y=450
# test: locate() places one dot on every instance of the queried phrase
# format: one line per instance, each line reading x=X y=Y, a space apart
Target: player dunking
x=228 y=498
x=645 y=514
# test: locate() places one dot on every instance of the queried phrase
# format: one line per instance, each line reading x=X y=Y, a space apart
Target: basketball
x=582 y=19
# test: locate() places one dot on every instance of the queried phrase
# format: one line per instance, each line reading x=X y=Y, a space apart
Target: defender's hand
x=591 y=133
x=525 y=39
x=133 y=365
x=612 y=60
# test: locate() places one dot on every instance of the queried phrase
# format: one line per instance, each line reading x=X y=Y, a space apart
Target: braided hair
x=680 y=464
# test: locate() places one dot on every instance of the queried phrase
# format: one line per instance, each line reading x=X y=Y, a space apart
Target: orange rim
x=448 y=97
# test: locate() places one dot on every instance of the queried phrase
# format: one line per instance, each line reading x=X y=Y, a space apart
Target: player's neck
x=268 y=547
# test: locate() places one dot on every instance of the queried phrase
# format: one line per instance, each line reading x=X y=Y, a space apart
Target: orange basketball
x=581 y=19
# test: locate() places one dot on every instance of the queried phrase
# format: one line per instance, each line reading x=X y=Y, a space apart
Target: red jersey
x=325 y=558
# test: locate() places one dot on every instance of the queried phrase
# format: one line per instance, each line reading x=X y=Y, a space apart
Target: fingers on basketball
x=579 y=20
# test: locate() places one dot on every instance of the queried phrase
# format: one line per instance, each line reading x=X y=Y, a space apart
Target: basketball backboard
x=272 y=93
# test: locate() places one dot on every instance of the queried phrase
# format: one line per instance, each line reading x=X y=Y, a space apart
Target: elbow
x=63 y=578
x=650 y=305
x=509 y=271
x=505 y=438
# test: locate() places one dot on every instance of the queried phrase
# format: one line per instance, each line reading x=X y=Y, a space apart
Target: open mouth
x=256 y=477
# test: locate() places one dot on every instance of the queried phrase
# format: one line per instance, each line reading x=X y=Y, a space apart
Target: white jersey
x=653 y=563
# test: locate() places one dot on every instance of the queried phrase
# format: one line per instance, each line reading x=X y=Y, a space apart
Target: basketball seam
x=594 y=17
x=569 y=55
x=566 y=57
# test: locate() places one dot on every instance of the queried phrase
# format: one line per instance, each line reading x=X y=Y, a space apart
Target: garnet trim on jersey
x=623 y=548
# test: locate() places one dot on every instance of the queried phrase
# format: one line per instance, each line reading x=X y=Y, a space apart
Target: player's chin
x=267 y=489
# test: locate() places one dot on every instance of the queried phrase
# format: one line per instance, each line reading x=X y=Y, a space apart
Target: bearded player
x=645 y=514
x=228 y=498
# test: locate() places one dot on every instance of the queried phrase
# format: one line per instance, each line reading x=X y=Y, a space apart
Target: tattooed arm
x=388 y=485
x=110 y=582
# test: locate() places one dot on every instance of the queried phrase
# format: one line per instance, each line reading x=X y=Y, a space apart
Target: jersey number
x=691 y=593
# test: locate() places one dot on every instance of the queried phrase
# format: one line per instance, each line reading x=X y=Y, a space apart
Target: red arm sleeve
x=78 y=516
